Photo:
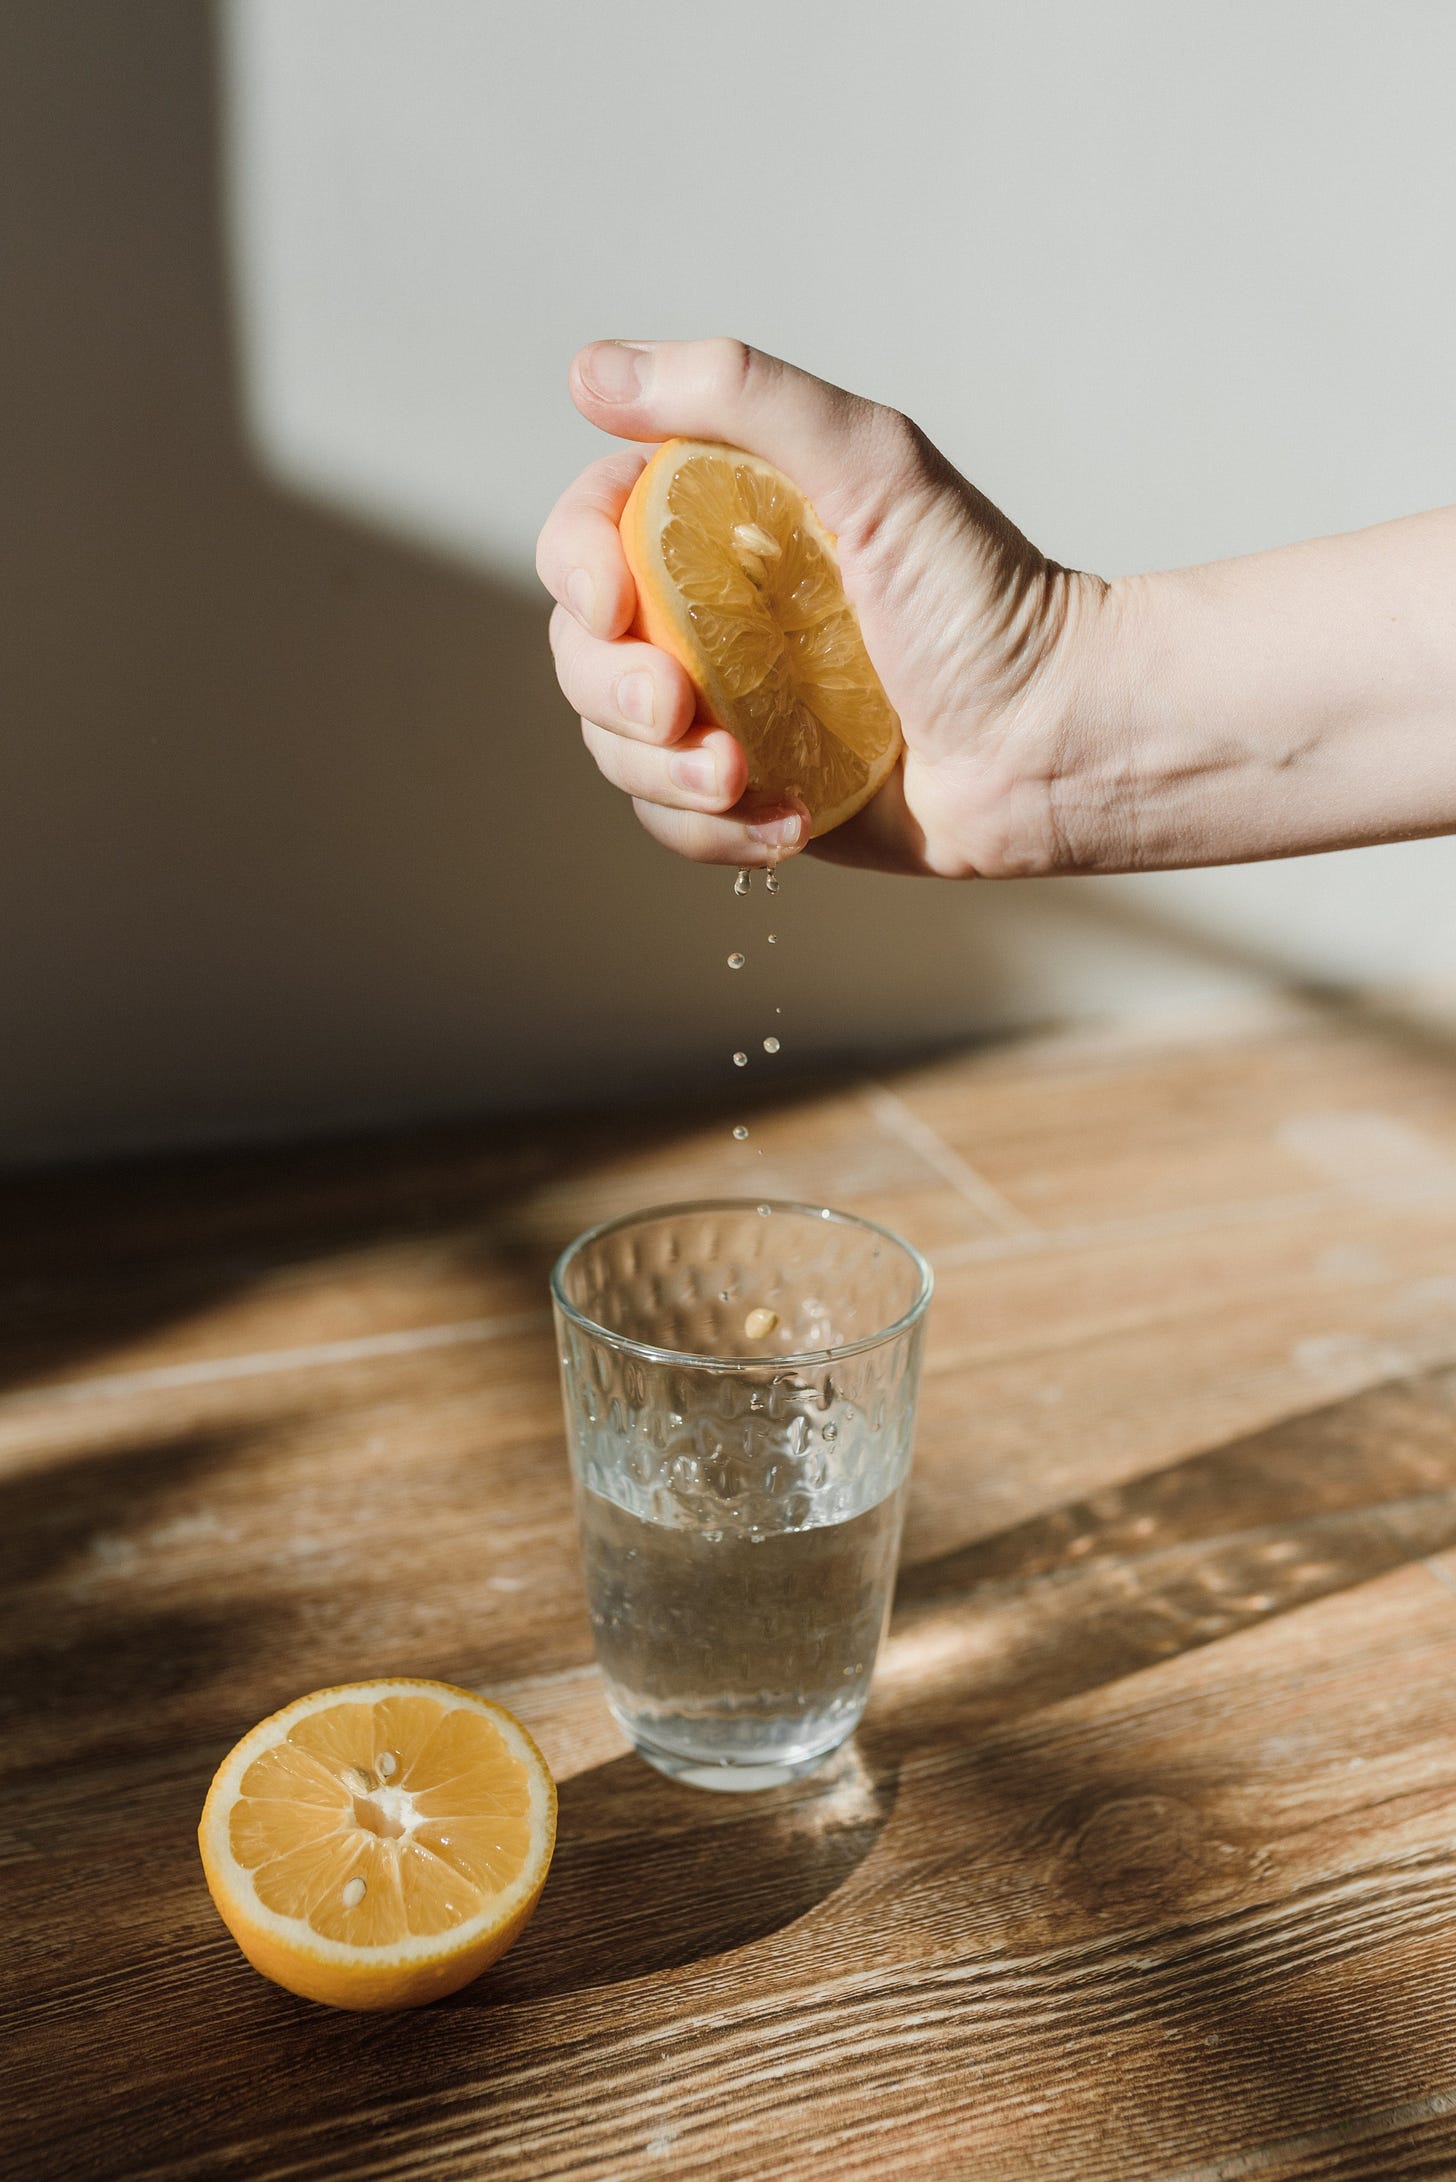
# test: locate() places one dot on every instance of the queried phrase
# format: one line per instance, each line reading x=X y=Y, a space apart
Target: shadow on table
x=1149 y=1900
x=650 y=1877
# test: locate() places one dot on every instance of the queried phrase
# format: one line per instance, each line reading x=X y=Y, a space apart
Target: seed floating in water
x=354 y=1893
x=740 y=1060
x=760 y=1323
x=744 y=880
x=736 y=961
x=740 y=1132
x=770 y=1045
x=386 y=1762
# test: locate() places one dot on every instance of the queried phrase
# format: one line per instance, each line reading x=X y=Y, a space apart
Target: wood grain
x=1143 y=1863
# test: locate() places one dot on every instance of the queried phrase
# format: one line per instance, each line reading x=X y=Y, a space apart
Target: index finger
x=579 y=555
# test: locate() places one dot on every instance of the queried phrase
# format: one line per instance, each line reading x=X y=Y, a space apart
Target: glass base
x=737 y=1776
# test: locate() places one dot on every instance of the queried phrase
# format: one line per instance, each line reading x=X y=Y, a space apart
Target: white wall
x=299 y=834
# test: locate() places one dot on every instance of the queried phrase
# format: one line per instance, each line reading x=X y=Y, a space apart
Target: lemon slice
x=737 y=578
x=379 y=1844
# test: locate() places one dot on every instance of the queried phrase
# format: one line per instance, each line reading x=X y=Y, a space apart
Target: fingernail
x=778 y=833
x=635 y=699
x=582 y=593
x=696 y=771
x=615 y=370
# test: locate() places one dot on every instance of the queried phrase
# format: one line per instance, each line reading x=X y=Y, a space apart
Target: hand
x=970 y=629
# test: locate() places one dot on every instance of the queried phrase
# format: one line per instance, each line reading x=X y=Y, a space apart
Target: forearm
x=1295 y=700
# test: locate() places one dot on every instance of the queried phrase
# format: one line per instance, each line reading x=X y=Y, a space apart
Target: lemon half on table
x=738 y=580
x=379 y=1844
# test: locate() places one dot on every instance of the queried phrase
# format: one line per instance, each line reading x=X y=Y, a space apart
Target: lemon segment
x=738 y=580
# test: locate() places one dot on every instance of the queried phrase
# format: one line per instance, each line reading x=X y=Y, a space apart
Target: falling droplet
x=773 y=939
x=771 y=881
x=740 y=1132
x=770 y=1045
x=764 y=1211
x=740 y=1060
x=736 y=961
x=743 y=881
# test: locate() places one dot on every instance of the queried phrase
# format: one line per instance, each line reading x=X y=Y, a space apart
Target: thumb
x=848 y=455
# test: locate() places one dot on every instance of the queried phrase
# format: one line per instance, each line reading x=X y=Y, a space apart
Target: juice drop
x=743 y=881
x=740 y=1132
x=772 y=880
x=773 y=939
x=736 y=961
x=770 y=1045
x=740 y=1060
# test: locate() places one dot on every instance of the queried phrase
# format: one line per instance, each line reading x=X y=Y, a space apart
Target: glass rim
x=650 y=1353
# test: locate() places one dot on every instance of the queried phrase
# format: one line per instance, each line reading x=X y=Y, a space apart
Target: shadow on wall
x=299 y=834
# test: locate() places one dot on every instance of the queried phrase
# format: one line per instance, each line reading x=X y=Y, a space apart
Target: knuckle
x=730 y=368
x=595 y=739
x=903 y=443
x=652 y=819
x=899 y=465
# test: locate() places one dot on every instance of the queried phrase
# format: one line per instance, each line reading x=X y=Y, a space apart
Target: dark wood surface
x=1144 y=1861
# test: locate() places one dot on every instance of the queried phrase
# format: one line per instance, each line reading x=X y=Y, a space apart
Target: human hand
x=969 y=628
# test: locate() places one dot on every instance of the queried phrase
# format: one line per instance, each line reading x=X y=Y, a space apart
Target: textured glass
x=739 y=1383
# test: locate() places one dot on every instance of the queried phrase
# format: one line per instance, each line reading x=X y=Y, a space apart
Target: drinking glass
x=739 y=1381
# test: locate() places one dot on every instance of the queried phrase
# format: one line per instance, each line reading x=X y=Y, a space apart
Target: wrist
x=1150 y=759
x=1094 y=688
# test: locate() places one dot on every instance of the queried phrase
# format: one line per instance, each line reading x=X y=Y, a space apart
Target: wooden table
x=1144 y=1862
